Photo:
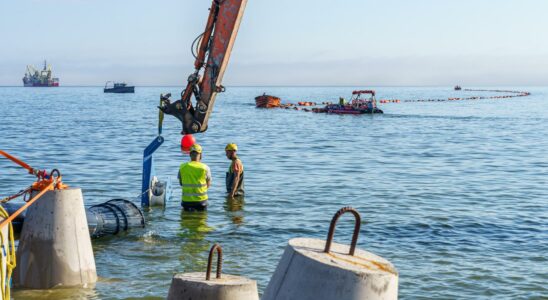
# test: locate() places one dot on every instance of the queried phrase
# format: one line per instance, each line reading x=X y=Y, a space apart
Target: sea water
x=453 y=193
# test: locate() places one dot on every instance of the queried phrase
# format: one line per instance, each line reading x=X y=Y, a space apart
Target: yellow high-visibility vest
x=194 y=184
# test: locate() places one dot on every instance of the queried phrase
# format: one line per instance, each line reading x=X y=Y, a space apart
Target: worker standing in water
x=195 y=179
x=235 y=174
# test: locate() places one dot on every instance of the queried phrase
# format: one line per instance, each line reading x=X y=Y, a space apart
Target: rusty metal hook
x=331 y=233
x=219 y=261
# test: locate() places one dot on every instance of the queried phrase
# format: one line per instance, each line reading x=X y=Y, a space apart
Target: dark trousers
x=194 y=206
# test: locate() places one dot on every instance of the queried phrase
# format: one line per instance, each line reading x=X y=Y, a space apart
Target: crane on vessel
x=211 y=50
x=31 y=70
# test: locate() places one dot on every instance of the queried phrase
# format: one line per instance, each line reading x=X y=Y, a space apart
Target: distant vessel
x=35 y=78
x=357 y=105
x=118 y=87
x=457 y=88
x=267 y=101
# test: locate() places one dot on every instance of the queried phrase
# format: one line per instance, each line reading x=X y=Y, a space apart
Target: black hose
x=109 y=218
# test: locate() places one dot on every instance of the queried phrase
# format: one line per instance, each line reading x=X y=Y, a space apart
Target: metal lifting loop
x=55 y=176
x=219 y=261
x=55 y=171
x=357 y=225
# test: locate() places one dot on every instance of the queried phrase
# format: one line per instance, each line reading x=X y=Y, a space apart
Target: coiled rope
x=8 y=251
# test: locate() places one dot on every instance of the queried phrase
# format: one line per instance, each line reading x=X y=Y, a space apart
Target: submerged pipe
x=109 y=218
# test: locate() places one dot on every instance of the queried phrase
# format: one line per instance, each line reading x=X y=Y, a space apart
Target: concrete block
x=191 y=286
x=55 y=246
x=306 y=272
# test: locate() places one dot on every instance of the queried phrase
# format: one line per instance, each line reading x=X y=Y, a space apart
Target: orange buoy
x=187 y=141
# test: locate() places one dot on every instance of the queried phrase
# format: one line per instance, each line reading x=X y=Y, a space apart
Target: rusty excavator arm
x=212 y=55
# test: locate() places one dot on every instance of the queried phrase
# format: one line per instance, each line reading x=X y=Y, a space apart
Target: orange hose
x=17 y=161
x=20 y=210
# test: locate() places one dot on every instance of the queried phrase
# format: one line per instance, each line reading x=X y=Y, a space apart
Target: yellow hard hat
x=196 y=148
x=232 y=147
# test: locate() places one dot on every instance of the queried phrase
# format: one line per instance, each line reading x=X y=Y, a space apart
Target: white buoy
x=313 y=269
x=55 y=246
x=158 y=192
x=188 y=286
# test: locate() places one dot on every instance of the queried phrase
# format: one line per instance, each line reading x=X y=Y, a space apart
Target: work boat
x=267 y=101
x=118 y=88
x=359 y=104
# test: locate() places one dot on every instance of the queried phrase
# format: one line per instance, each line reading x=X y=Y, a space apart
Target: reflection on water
x=194 y=225
x=57 y=293
x=234 y=208
x=194 y=230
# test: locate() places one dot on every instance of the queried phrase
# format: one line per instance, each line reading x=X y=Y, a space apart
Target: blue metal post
x=148 y=168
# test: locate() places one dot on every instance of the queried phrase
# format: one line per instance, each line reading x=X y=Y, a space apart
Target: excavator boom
x=213 y=54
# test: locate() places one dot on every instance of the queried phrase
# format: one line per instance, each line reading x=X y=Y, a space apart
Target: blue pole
x=148 y=168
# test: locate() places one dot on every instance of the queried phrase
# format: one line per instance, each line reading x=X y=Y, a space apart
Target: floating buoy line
x=309 y=106
x=511 y=94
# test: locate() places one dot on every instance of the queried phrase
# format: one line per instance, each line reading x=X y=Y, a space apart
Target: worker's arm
x=208 y=177
x=237 y=169
x=235 y=184
x=179 y=178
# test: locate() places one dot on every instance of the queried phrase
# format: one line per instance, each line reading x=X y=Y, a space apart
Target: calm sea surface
x=455 y=194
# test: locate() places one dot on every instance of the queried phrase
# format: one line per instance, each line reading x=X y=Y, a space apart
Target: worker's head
x=196 y=152
x=230 y=150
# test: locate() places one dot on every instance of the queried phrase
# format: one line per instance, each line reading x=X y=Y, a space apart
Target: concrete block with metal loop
x=55 y=246
x=222 y=287
x=314 y=269
x=46 y=253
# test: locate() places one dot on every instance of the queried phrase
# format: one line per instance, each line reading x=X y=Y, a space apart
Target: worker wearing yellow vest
x=195 y=179
x=235 y=174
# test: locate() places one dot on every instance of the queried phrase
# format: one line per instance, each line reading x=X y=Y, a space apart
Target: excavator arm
x=213 y=54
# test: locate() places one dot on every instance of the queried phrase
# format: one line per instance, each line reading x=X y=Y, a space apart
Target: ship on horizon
x=35 y=78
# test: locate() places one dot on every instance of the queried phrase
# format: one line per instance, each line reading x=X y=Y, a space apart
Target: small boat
x=118 y=87
x=357 y=105
x=267 y=101
x=457 y=88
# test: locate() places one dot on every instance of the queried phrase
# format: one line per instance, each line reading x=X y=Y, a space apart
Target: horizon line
x=277 y=85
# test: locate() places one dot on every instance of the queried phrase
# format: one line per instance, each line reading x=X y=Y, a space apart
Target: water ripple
x=454 y=194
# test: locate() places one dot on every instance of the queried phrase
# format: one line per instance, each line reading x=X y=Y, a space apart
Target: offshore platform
x=35 y=78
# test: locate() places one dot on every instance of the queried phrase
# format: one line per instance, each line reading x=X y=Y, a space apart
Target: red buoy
x=186 y=142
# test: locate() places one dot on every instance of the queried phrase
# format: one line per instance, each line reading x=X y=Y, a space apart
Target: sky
x=282 y=42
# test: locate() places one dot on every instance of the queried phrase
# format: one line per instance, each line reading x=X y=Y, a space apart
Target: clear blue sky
x=283 y=42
